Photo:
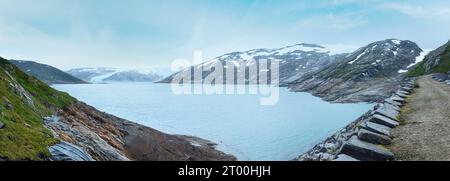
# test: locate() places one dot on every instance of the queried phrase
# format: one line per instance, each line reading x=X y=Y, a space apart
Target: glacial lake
x=237 y=123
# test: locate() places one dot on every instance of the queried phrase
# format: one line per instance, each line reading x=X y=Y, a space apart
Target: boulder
x=387 y=111
x=379 y=119
x=406 y=89
x=403 y=92
x=68 y=152
x=2 y=125
x=390 y=106
x=401 y=95
x=398 y=99
x=345 y=158
x=374 y=138
x=326 y=157
x=377 y=128
x=409 y=84
x=392 y=102
x=365 y=151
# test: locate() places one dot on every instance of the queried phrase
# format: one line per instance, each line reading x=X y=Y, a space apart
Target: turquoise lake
x=237 y=123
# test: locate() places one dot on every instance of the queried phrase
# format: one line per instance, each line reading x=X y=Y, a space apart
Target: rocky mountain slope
x=369 y=74
x=104 y=74
x=437 y=61
x=294 y=61
x=33 y=117
x=46 y=73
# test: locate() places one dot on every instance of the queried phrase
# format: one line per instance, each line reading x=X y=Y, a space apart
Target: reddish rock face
x=106 y=137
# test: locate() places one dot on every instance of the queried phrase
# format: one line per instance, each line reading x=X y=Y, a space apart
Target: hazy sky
x=148 y=33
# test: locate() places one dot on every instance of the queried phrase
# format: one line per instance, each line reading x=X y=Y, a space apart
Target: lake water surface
x=238 y=123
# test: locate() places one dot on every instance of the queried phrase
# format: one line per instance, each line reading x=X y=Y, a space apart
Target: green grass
x=442 y=67
x=25 y=137
x=417 y=71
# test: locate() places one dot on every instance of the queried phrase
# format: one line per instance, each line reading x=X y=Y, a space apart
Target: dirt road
x=425 y=132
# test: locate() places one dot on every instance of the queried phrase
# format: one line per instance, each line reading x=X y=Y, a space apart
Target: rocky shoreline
x=365 y=138
x=87 y=134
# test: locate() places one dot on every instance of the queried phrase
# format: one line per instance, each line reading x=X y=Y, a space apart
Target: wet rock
x=379 y=119
x=374 y=138
x=345 y=158
x=67 y=152
x=377 y=128
x=365 y=151
x=2 y=125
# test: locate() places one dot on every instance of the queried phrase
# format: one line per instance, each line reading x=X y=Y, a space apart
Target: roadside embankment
x=424 y=133
x=366 y=138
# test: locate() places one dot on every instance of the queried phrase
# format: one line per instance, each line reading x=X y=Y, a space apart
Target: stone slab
x=365 y=151
x=377 y=128
x=379 y=119
x=345 y=158
x=374 y=138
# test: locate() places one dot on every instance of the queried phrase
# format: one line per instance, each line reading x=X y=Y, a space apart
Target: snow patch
x=375 y=46
x=193 y=143
x=301 y=47
x=419 y=58
x=357 y=58
x=246 y=56
x=397 y=42
x=402 y=71
x=236 y=64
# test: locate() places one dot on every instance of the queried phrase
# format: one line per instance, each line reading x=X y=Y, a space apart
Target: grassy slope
x=442 y=67
x=46 y=73
x=24 y=137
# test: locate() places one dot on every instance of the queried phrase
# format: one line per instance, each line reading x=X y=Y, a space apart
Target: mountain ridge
x=370 y=72
x=107 y=74
x=436 y=61
x=46 y=73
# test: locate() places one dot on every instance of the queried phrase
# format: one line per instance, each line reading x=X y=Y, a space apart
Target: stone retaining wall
x=364 y=139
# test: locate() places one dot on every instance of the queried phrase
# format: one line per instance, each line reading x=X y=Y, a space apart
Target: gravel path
x=425 y=134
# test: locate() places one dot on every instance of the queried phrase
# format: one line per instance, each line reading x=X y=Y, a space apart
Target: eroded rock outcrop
x=106 y=137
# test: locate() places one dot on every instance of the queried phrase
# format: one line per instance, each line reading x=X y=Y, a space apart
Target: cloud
x=429 y=11
x=331 y=22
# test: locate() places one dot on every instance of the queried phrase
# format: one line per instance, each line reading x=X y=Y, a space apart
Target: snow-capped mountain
x=294 y=61
x=105 y=74
x=367 y=74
